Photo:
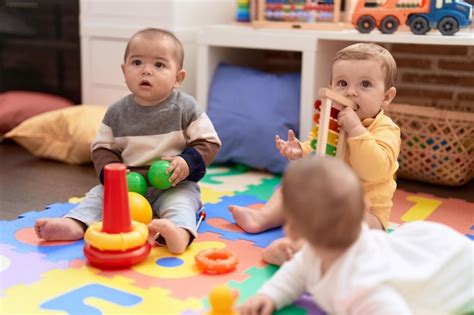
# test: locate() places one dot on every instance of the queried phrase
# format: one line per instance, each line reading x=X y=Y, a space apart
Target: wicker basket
x=437 y=145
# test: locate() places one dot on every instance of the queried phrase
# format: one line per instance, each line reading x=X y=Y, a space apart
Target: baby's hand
x=178 y=167
x=290 y=149
x=350 y=122
x=257 y=305
x=278 y=252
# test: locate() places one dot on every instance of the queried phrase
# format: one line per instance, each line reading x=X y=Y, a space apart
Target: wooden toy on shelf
x=331 y=139
x=300 y=14
x=243 y=11
x=448 y=16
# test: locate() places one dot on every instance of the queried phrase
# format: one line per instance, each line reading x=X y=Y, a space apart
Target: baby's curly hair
x=324 y=200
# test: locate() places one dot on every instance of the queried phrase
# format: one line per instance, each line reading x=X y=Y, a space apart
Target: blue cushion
x=248 y=108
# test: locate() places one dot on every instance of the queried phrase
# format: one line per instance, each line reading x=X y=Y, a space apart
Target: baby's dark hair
x=151 y=33
x=324 y=199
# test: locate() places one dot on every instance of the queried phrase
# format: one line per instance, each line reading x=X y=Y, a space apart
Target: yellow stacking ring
x=117 y=242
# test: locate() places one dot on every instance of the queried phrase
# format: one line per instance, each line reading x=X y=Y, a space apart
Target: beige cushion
x=64 y=134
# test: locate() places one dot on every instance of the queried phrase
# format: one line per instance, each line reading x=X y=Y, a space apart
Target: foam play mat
x=54 y=277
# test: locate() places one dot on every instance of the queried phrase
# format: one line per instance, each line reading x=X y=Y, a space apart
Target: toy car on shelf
x=448 y=16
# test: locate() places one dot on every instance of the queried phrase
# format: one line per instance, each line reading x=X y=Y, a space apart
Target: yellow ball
x=140 y=208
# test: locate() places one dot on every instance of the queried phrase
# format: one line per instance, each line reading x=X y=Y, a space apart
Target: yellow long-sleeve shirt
x=373 y=156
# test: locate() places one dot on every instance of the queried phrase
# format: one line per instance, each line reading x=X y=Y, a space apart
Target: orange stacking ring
x=216 y=261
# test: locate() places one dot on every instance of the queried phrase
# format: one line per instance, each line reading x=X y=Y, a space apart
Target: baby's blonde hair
x=366 y=51
x=324 y=200
x=151 y=33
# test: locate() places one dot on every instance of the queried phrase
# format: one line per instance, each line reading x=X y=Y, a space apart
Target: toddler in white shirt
x=420 y=268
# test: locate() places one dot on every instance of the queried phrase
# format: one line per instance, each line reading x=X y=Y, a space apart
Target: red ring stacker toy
x=117 y=242
x=216 y=260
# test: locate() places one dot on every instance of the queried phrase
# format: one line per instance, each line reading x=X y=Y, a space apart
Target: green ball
x=157 y=175
x=136 y=183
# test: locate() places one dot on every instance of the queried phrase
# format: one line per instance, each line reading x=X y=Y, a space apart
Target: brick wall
x=428 y=75
x=281 y=61
x=435 y=75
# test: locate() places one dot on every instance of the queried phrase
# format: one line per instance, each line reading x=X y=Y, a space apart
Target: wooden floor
x=30 y=183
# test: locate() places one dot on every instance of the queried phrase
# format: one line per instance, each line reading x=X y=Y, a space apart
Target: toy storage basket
x=437 y=145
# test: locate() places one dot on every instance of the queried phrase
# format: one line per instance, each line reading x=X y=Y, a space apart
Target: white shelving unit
x=106 y=25
x=236 y=44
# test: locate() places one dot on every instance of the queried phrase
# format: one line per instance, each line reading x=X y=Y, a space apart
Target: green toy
x=136 y=183
x=157 y=175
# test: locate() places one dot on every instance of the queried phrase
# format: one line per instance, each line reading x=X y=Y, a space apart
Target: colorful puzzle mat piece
x=55 y=278
x=23 y=268
x=63 y=282
x=84 y=291
x=228 y=181
x=258 y=276
x=230 y=177
x=20 y=234
x=174 y=272
x=227 y=228
x=456 y=213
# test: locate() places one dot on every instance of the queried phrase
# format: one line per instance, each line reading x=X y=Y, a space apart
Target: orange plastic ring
x=216 y=260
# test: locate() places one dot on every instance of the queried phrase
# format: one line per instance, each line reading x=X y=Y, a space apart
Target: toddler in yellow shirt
x=364 y=73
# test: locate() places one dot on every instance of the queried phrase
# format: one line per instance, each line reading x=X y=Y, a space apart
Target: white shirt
x=422 y=268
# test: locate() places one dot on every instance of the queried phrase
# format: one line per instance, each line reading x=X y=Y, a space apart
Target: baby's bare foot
x=177 y=239
x=59 y=229
x=249 y=219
